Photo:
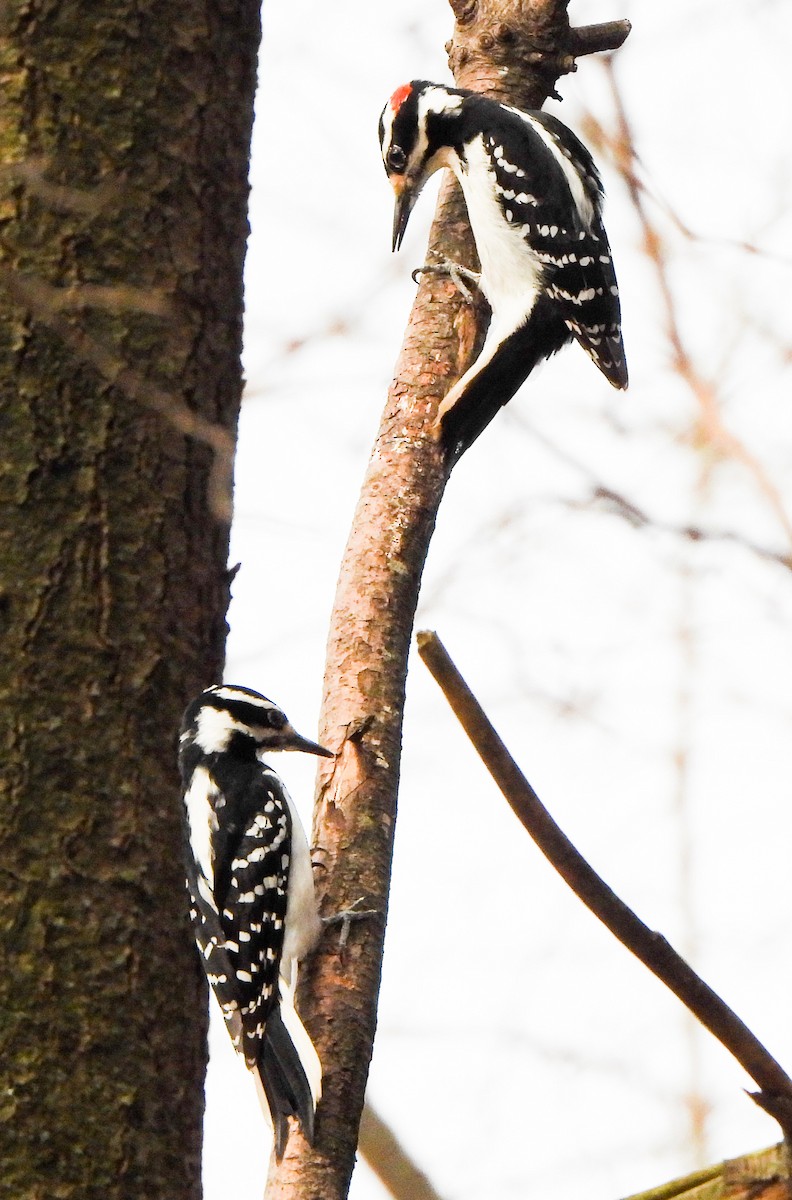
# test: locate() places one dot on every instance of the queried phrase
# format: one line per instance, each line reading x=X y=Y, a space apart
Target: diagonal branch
x=389 y=1161
x=371 y=626
x=367 y=653
x=651 y=948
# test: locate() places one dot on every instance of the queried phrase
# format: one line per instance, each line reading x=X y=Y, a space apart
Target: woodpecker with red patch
x=534 y=200
x=250 y=883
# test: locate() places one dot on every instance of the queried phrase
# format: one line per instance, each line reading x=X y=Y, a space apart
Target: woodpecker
x=251 y=890
x=534 y=200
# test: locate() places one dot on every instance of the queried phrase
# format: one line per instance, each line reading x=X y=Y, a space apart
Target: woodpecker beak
x=294 y=741
x=405 y=199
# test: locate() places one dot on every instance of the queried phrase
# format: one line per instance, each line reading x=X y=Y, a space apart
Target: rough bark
x=125 y=135
x=375 y=603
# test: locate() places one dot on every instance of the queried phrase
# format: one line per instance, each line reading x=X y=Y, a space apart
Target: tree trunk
x=125 y=130
x=513 y=50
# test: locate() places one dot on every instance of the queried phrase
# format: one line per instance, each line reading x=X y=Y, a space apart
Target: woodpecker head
x=226 y=719
x=416 y=139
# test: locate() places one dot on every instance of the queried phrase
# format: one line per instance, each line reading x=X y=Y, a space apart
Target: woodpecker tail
x=289 y=1075
x=498 y=372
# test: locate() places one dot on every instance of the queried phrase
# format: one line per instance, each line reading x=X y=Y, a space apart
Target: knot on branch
x=515 y=52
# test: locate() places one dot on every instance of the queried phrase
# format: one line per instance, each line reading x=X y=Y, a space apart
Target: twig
x=596 y=39
x=613 y=502
x=775 y=1095
x=371 y=626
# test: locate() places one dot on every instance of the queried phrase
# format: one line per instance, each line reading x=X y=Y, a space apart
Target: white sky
x=641 y=680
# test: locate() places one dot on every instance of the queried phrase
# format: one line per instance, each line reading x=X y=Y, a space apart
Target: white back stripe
x=201 y=820
x=580 y=196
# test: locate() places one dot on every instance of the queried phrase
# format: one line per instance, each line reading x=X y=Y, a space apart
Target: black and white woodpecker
x=250 y=883
x=534 y=201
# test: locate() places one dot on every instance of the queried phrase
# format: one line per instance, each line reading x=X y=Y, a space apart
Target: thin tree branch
x=597 y=39
x=389 y=1160
x=775 y=1096
x=368 y=646
x=371 y=626
x=764 y=1174
x=619 y=505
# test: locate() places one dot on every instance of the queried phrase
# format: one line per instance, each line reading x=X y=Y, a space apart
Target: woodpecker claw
x=346 y=916
x=456 y=272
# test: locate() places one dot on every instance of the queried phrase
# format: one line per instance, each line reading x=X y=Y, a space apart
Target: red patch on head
x=399 y=96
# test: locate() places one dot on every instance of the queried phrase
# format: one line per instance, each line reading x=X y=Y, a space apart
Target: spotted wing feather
x=210 y=938
x=581 y=280
x=251 y=900
x=575 y=258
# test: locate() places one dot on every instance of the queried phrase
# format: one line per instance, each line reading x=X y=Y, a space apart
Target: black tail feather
x=285 y=1083
x=487 y=391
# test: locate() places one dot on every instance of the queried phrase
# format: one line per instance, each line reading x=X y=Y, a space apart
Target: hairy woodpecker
x=250 y=883
x=534 y=200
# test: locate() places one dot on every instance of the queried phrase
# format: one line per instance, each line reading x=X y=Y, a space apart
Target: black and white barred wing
x=252 y=911
x=238 y=924
x=211 y=941
x=573 y=256
x=582 y=281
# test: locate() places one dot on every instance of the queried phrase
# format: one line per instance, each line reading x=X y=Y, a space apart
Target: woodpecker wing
x=211 y=941
x=251 y=898
x=542 y=170
x=254 y=899
x=581 y=279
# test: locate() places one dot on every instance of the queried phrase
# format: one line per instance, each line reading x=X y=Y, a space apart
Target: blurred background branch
x=650 y=947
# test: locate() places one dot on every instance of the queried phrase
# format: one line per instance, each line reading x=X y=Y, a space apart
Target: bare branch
x=764 y=1174
x=495 y=40
x=649 y=947
x=597 y=39
x=620 y=506
x=617 y=504
x=389 y=1160
x=371 y=627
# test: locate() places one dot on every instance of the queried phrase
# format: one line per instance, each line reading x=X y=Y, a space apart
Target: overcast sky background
x=641 y=679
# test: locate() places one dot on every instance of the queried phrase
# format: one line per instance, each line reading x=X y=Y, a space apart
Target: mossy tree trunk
x=125 y=132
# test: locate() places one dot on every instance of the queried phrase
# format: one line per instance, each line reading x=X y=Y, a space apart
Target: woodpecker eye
x=397 y=159
x=276 y=719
